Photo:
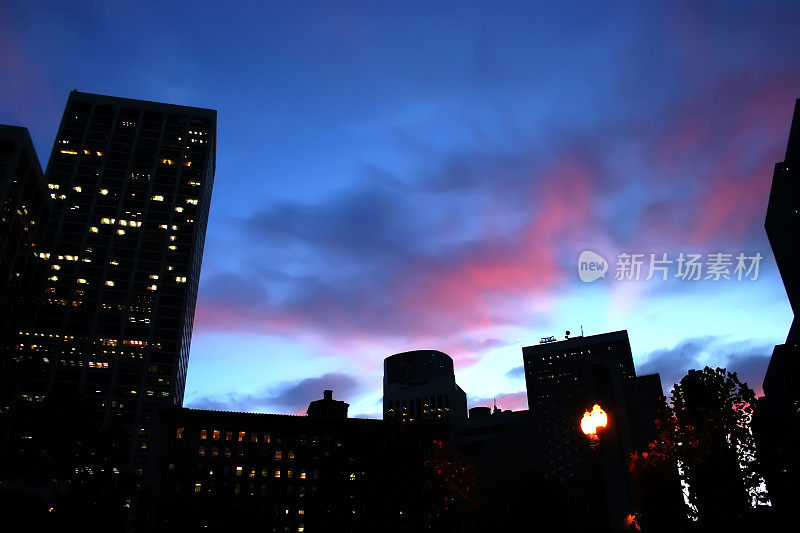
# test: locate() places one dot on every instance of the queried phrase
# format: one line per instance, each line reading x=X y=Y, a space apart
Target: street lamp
x=592 y=421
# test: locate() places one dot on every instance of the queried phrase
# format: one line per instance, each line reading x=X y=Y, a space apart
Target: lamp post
x=592 y=421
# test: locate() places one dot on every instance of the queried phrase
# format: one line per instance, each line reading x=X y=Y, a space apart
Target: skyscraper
x=566 y=378
x=778 y=423
x=131 y=184
x=421 y=385
x=24 y=208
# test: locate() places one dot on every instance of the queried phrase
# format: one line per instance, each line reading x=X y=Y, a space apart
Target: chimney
x=328 y=394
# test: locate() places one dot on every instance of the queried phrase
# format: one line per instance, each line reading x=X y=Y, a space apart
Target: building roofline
x=117 y=100
x=578 y=341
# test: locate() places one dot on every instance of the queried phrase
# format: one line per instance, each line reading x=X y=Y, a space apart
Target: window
x=241 y=435
x=239 y=471
x=198 y=487
x=229 y=435
x=203 y=432
x=216 y=434
x=277 y=473
x=267 y=438
x=278 y=455
x=202 y=450
x=179 y=433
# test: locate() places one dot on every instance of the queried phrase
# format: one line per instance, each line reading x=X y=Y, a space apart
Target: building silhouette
x=566 y=378
x=24 y=210
x=778 y=417
x=420 y=385
x=220 y=471
x=130 y=184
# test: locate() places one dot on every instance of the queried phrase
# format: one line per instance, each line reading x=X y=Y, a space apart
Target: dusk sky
x=394 y=176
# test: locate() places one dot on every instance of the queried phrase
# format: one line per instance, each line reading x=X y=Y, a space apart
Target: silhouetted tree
x=716 y=448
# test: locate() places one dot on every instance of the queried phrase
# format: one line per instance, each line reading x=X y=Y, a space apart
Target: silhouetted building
x=130 y=182
x=327 y=407
x=564 y=379
x=24 y=209
x=421 y=386
x=778 y=420
x=223 y=471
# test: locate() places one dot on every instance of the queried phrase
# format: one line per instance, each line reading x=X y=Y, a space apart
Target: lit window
x=203 y=434
x=289 y=473
x=198 y=487
x=153 y=276
x=104 y=191
x=166 y=161
x=241 y=436
x=107 y=220
x=152 y=287
x=120 y=232
x=187 y=163
x=53 y=278
x=302 y=474
x=77 y=188
x=56 y=267
x=216 y=434
x=267 y=438
x=94 y=229
x=81 y=280
x=192 y=201
x=277 y=473
x=179 y=433
x=173 y=247
x=179 y=209
x=158 y=197
x=238 y=470
x=229 y=435
x=180 y=279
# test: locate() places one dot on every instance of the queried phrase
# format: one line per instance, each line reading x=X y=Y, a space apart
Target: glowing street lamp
x=592 y=421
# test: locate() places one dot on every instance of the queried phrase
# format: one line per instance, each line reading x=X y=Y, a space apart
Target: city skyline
x=449 y=214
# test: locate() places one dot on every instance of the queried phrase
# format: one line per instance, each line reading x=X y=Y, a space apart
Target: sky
x=398 y=175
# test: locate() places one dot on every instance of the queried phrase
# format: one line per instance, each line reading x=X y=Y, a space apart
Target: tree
x=715 y=445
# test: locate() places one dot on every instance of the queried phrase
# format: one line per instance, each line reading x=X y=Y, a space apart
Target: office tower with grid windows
x=130 y=183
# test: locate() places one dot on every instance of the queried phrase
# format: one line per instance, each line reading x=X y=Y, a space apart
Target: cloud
x=287 y=397
x=748 y=360
x=516 y=372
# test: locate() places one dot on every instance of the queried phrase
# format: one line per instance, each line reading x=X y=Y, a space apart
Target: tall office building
x=778 y=423
x=131 y=185
x=421 y=385
x=566 y=378
x=24 y=208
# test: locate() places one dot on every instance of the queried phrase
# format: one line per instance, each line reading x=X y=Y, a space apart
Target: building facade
x=24 y=210
x=130 y=182
x=566 y=378
x=225 y=471
x=778 y=420
x=421 y=386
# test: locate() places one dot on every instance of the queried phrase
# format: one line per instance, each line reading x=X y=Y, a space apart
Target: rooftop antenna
x=581 y=330
x=494 y=400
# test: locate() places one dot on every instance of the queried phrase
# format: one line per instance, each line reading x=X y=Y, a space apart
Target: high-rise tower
x=421 y=385
x=131 y=185
x=783 y=221
x=778 y=423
